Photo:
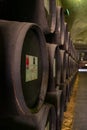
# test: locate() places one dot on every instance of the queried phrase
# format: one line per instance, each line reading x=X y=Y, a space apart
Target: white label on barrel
x=31 y=68
x=54 y=67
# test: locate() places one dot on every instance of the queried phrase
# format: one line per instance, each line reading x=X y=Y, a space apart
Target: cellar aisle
x=80 y=112
x=69 y=113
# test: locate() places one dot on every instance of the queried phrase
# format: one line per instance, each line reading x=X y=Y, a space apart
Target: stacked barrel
x=38 y=65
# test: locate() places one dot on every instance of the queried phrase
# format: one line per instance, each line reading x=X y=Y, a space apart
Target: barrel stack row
x=63 y=66
x=38 y=65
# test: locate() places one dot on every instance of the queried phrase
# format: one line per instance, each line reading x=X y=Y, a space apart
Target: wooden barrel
x=48 y=119
x=57 y=99
x=68 y=70
x=54 y=95
x=23 y=67
x=58 y=70
x=19 y=122
x=42 y=12
x=71 y=64
x=64 y=45
x=54 y=66
x=73 y=51
x=50 y=11
x=67 y=66
x=45 y=119
x=70 y=44
x=66 y=37
x=63 y=83
x=59 y=31
x=67 y=77
x=68 y=93
x=63 y=66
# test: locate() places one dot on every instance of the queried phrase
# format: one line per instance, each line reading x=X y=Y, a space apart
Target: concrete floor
x=80 y=115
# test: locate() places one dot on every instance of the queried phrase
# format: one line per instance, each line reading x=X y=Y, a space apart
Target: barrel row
x=26 y=77
x=63 y=66
x=62 y=72
x=26 y=94
x=35 y=79
x=24 y=72
x=71 y=61
x=33 y=73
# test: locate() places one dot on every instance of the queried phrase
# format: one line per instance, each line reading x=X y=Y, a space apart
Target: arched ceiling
x=77 y=21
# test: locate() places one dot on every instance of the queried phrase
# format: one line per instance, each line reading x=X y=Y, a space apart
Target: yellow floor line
x=69 y=114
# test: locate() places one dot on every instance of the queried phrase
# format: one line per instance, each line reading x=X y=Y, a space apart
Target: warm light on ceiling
x=78 y=1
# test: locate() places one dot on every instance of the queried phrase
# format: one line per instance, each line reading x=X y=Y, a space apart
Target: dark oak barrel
x=55 y=95
x=57 y=99
x=42 y=12
x=23 y=67
x=44 y=119
x=59 y=30
x=50 y=10
x=63 y=66
x=47 y=120
x=66 y=38
x=54 y=66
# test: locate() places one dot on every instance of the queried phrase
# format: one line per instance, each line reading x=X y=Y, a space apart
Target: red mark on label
x=27 y=62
